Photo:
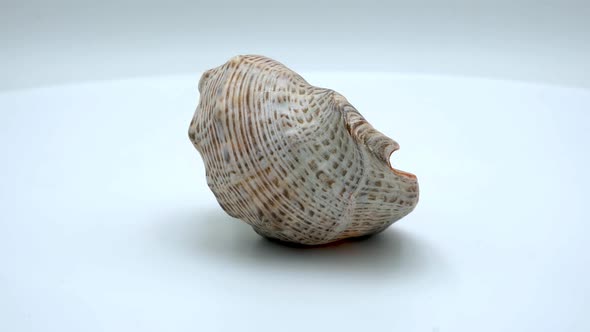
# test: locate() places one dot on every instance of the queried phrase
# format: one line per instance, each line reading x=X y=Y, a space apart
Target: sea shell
x=296 y=162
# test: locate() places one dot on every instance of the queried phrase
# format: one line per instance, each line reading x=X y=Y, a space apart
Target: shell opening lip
x=400 y=172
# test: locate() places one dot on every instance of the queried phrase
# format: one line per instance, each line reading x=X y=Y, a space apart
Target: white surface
x=108 y=225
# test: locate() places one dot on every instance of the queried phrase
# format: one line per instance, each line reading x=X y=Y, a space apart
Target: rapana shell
x=296 y=162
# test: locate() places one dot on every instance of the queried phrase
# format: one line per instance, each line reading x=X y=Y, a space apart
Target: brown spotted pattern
x=296 y=162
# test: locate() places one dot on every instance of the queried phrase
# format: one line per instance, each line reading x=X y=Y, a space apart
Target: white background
x=107 y=223
x=48 y=42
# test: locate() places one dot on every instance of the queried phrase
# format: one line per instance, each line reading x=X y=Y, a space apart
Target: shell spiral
x=296 y=162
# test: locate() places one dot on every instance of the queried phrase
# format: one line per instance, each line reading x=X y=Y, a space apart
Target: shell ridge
x=254 y=143
x=225 y=120
x=277 y=170
x=362 y=131
x=347 y=216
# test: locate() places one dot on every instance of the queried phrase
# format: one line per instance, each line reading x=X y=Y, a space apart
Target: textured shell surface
x=296 y=162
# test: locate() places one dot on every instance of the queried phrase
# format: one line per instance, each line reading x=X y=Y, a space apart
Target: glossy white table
x=107 y=223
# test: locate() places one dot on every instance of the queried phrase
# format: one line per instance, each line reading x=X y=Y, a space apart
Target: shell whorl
x=296 y=162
